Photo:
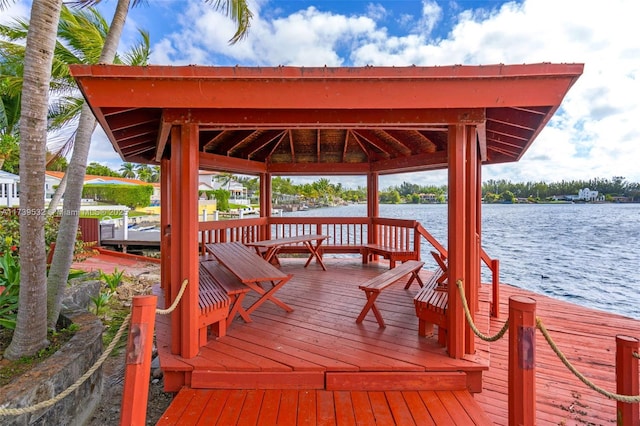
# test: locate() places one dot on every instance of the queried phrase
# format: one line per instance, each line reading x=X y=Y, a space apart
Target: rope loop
x=615 y=396
x=174 y=305
x=475 y=330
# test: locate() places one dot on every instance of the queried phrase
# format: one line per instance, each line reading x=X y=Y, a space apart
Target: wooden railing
x=222 y=231
x=345 y=235
x=492 y=264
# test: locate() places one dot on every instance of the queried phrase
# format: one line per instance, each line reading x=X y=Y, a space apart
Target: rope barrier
x=622 y=398
x=475 y=330
x=98 y=364
x=174 y=305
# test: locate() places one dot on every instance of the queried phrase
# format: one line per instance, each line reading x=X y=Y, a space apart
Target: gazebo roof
x=289 y=120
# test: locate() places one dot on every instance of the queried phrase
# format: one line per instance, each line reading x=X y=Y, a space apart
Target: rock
x=78 y=296
x=155 y=363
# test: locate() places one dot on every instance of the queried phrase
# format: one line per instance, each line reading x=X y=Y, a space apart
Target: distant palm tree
x=143 y=172
x=128 y=170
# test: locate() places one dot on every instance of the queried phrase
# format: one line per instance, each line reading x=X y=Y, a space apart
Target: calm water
x=586 y=254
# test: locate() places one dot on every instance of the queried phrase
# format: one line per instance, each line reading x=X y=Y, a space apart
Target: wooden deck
x=319 y=353
x=587 y=337
x=320 y=407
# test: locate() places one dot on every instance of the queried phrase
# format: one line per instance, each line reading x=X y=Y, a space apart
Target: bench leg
x=371 y=305
x=220 y=328
x=415 y=275
x=237 y=308
x=425 y=328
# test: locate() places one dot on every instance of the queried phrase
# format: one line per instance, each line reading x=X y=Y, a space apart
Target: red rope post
x=495 y=288
x=522 y=372
x=138 y=361
x=627 y=378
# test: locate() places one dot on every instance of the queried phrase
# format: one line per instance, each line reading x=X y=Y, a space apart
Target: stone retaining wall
x=56 y=374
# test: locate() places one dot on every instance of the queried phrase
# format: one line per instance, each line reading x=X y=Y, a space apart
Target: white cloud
x=593 y=134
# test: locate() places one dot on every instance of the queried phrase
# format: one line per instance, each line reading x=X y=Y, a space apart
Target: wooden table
x=252 y=270
x=274 y=245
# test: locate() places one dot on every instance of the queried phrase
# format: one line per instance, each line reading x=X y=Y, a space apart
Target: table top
x=274 y=242
x=244 y=263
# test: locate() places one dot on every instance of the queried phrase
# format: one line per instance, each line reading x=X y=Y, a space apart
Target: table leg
x=314 y=253
x=268 y=295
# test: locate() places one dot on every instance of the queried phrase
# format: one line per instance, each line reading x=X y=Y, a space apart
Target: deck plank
x=269 y=408
x=399 y=409
x=326 y=412
x=344 y=408
x=213 y=408
x=251 y=408
x=307 y=408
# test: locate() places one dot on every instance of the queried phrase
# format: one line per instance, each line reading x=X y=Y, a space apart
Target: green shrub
x=132 y=196
x=10 y=281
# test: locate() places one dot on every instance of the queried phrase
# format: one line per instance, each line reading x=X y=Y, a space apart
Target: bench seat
x=393 y=254
x=213 y=302
x=431 y=303
x=373 y=287
x=232 y=286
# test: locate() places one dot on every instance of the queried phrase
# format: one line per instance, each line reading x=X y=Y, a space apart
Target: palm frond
x=63 y=111
x=138 y=55
x=60 y=146
x=238 y=11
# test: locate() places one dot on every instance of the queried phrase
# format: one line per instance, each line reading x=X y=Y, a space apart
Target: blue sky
x=594 y=134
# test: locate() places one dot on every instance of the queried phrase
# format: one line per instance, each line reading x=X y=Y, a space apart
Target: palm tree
x=30 y=334
x=143 y=172
x=128 y=170
x=239 y=12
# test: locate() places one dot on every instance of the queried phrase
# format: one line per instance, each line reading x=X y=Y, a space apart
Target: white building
x=587 y=195
x=9 y=189
x=211 y=181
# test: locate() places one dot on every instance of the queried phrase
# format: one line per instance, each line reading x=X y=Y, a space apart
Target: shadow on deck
x=318 y=353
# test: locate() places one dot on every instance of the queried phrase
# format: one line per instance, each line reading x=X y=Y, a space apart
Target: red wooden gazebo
x=322 y=121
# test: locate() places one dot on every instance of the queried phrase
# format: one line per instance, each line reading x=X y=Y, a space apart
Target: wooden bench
x=374 y=286
x=394 y=254
x=432 y=301
x=213 y=302
x=232 y=286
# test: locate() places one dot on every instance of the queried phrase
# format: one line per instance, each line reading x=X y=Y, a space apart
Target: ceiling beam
x=417 y=119
x=230 y=164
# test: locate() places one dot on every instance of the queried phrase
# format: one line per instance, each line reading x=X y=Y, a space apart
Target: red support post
x=627 y=378
x=522 y=351
x=138 y=361
x=457 y=239
x=495 y=288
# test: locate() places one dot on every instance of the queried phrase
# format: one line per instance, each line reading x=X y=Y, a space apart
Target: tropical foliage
x=132 y=196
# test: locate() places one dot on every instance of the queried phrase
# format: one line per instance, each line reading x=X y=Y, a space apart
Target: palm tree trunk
x=63 y=256
x=57 y=195
x=30 y=334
